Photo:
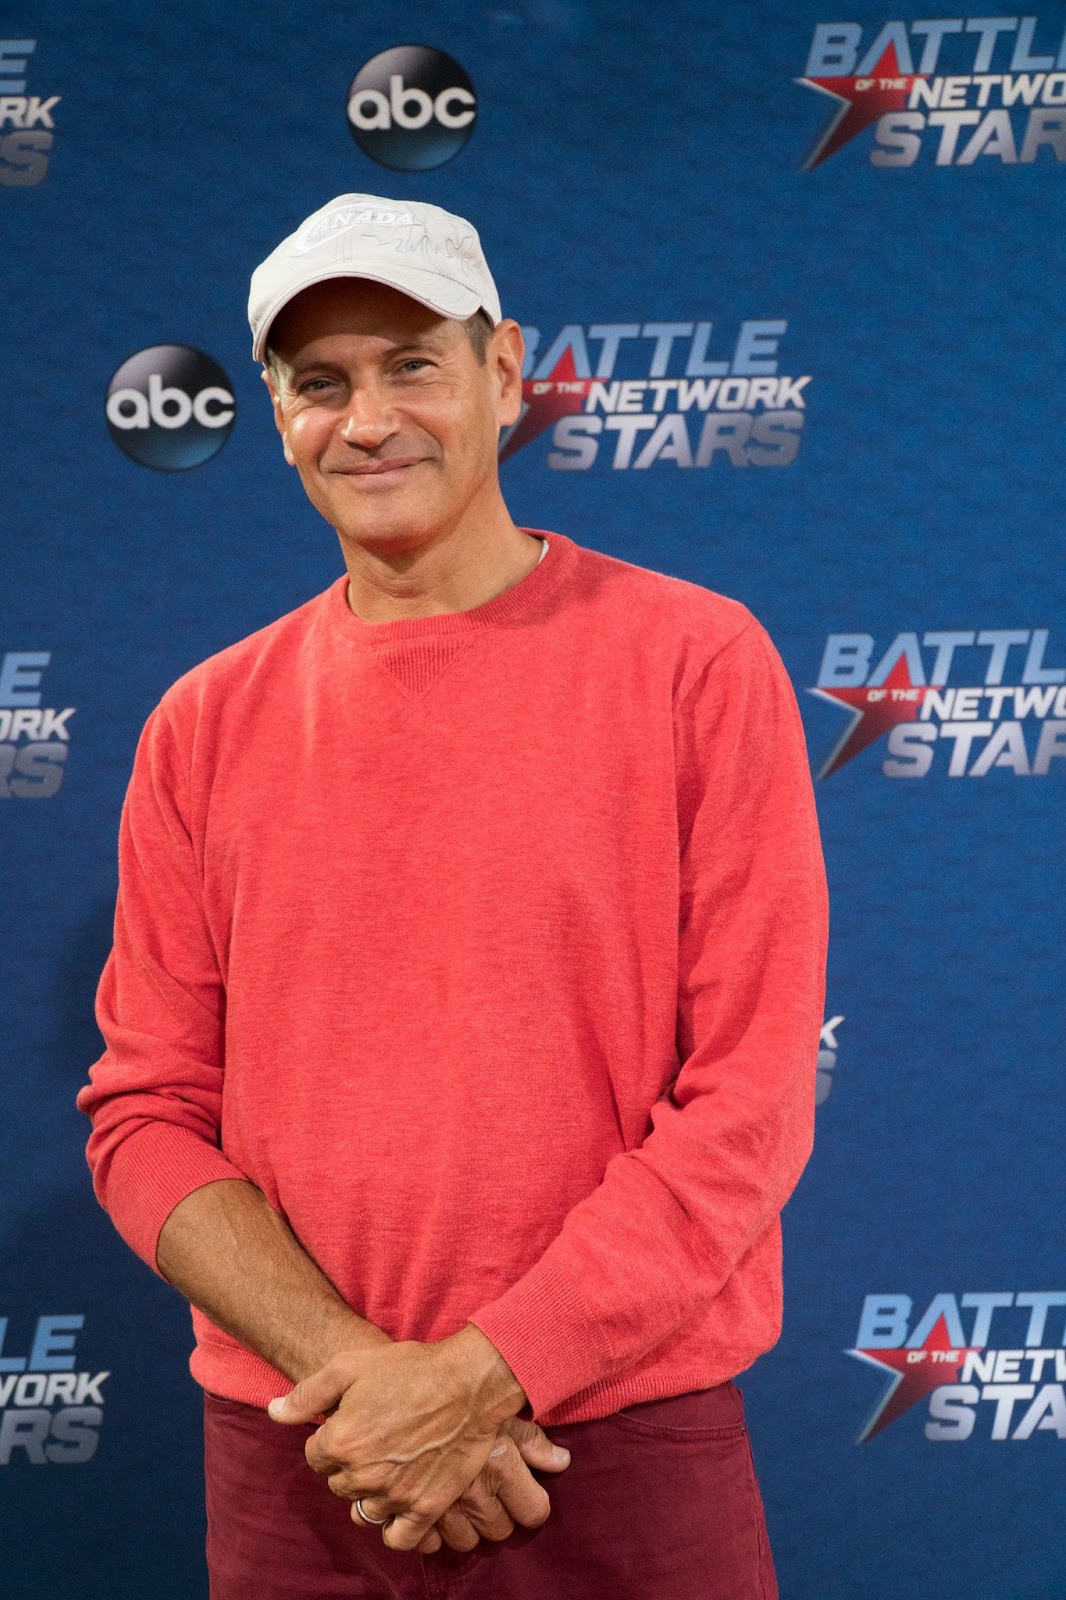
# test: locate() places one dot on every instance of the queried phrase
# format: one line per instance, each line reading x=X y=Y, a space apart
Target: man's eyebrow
x=429 y=341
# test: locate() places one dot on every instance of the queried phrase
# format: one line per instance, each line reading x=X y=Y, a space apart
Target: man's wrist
x=495 y=1391
x=345 y=1333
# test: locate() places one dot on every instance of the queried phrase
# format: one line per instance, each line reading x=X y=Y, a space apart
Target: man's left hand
x=410 y=1425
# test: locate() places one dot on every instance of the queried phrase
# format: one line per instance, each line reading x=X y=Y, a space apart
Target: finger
x=489 y=1520
x=534 y=1446
x=406 y=1530
x=519 y=1493
x=315 y=1395
x=321 y=1458
x=328 y=1449
x=480 y=1504
x=456 y=1529
x=430 y=1543
x=368 y=1506
x=344 y=1485
x=479 y=1510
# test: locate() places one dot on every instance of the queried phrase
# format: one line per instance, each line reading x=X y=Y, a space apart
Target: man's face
x=386 y=412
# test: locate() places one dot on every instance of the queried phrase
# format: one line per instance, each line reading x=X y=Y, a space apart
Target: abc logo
x=170 y=407
x=411 y=108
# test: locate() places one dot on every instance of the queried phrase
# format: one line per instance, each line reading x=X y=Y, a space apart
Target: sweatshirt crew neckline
x=502 y=608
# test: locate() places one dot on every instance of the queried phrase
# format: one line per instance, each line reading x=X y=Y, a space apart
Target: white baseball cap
x=424 y=252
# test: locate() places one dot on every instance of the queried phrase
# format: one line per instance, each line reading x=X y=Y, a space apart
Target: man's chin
x=387 y=535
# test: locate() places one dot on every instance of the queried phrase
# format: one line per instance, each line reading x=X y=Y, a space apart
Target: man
x=463 y=1010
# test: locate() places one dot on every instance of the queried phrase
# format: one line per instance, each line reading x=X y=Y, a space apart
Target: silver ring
x=375 y=1521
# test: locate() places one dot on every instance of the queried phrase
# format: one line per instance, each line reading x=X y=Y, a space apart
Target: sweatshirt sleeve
x=154 y=1096
x=652 y=1246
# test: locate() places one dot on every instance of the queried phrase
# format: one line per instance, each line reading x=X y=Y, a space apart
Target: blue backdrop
x=864 y=445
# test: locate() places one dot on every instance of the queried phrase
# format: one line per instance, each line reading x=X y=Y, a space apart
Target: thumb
x=314 y=1396
x=534 y=1446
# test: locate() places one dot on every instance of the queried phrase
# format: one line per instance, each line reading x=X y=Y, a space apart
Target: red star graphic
x=873 y=712
x=915 y=1373
x=545 y=400
x=863 y=100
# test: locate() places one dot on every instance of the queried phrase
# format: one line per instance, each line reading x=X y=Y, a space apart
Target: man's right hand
x=503 y=1493
x=227 y=1250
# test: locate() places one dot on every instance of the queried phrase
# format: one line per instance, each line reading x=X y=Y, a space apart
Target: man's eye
x=315 y=385
x=415 y=364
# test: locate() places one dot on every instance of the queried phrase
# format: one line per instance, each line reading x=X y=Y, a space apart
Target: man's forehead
x=356 y=306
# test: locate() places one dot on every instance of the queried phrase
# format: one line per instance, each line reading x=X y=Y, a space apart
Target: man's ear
x=279 y=416
x=507 y=350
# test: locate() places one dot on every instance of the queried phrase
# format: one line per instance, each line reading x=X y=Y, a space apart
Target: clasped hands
x=426 y=1434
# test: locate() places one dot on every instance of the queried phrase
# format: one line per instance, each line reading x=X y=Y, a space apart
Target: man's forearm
x=229 y=1252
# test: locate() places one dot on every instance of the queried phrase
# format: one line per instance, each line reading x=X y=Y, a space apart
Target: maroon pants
x=659 y=1502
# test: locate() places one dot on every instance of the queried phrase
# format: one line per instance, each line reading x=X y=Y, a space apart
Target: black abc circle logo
x=411 y=108
x=170 y=407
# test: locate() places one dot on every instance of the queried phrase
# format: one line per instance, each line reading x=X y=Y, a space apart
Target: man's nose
x=371 y=418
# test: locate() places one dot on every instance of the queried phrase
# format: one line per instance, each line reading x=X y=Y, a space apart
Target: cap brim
x=438 y=294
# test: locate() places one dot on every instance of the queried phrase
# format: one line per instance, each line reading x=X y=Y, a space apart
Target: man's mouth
x=377 y=469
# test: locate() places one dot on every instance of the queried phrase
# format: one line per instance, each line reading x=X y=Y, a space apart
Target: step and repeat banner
x=792 y=287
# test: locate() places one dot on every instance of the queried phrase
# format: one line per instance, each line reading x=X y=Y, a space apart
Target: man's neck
x=446 y=575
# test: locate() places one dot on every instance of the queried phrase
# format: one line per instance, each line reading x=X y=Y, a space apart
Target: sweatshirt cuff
x=150 y=1173
x=547 y=1336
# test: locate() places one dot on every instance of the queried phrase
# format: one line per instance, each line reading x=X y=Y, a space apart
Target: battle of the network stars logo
x=963 y=703
x=34 y=738
x=26 y=122
x=50 y=1412
x=992 y=1365
x=630 y=395
x=949 y=91
x=828 y=1047
x=170 y=407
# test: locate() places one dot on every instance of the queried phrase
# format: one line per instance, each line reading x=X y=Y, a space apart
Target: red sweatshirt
x=490 y=947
